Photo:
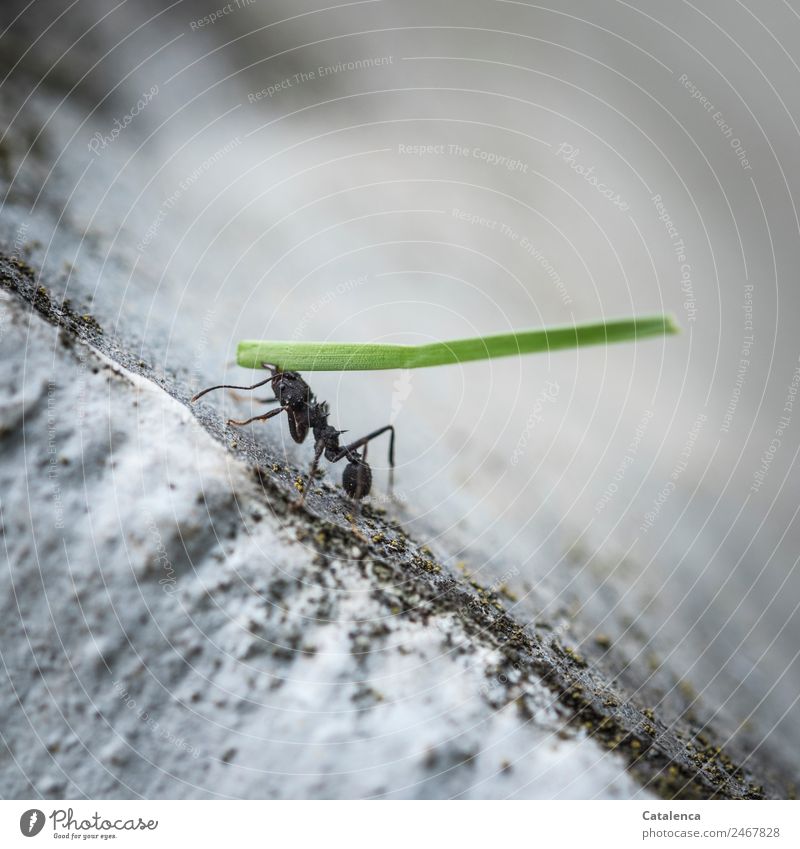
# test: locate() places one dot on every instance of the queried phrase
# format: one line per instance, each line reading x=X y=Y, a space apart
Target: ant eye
x=357 y=480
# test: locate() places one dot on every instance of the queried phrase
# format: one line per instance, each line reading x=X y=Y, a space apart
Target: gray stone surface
x=166 y=632
x=174 y=625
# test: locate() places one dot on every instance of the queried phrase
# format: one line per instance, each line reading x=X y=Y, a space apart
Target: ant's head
x=290 y=389
x=357 y=479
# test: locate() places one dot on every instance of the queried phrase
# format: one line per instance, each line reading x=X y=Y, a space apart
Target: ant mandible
x=305 y=413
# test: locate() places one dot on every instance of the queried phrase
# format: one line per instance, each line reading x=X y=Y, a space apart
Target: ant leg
x=319 y=447
x=360 y=470
x=368 y=438
x=261 y=418
x=266 y=400
x=229 y=386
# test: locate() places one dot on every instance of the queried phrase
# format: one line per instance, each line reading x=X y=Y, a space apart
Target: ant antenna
x=229 y=386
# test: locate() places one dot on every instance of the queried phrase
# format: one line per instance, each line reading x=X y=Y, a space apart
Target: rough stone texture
x=171 y=629
x=174 y=625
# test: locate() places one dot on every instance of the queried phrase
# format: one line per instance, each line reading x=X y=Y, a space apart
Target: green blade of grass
x=337 y=356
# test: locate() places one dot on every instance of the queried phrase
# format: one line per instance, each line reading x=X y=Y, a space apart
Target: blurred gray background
x=414 y=171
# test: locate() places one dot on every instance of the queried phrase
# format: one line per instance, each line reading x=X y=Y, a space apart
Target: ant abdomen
x=357 y=479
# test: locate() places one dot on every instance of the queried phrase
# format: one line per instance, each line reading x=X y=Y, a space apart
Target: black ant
x=297 y=400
